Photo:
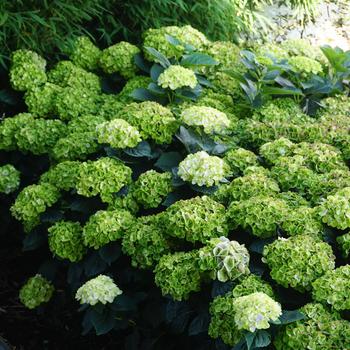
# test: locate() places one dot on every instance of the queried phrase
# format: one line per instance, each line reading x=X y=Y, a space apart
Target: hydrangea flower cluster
x=225 y=259
x=119 y=58
x=84 y=123
x=151 y=188
x=32 y=201
x=196 y=219
x=298 y=261
x=261 y=215
x=36 y=291
x=202 y=169
x=85 y=54
x=255 y=311
x=118 y=133
x=321 y=329
x=104 y=177
x=178 y=274
x=176 y=77
x=66 y=240
x=239 y=159
x=272 y=151
x=305 y=66
x=210 y=119
x=27 y=70
x=145 y=242
x=333 y=288
x=100 y=289
x=252 y=284
x=106 y=226
x=9 y=179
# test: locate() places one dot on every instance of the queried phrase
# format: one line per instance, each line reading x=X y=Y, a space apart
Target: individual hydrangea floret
x=333 y=288
x=321 y=329
x=100 y=289
x=9 y=179
x=298 y=261
x=85 y=54
x=151 y=188
x=210 y=119
x=145 y=242
x=305 y=66
x=344 y=244
x=255 y=311
x=119 y=58
x=106 y=226
x=9 y=127
x=239 y=159
x=224 y=259
x=118 y=133
x=66 y=241
x=196 y=219
x=77 y=145
x=335 y=210
x=41 y=100
x=202 y=169
x=260 y=215
x=272 y=151
x=38 y=136
x=104 y=177
x=36 y=291
x=32 y=201
x=178 y=274
x=176 y=77
x=152 y=120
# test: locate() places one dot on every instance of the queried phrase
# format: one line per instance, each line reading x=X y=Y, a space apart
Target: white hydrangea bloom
x=176 y=77
x=100 y=289
x=255 y=311
x=211 y=119
x=202 y=169
x=118 y=133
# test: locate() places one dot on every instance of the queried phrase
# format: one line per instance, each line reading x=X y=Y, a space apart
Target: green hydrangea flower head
x=202 y=169
x=106 y=226
x=196 y=219
x=9 y=179
x=118 y=133
x=153 y=120
x=344 y=244
x=125 y=202
x=272 y=151
x=253 y=185
x=36 y=291
x=271 y=49
x=85 y=123
x=27 y=70
x=302 y=220
x=73 y=102
x=224 y=52
x=239 y=159
x=41 y=100
x=224 y=83
x=101 y=289
x=305 y=66
x=85 y=54
x=257 y=170
x=252 y=284
x=298 y=261
x=59 y=73
x=178 y=275
x=210 y=119
x=145 y=242
x=39 y=136
x=335 y=210
x=138 y=81
x=104 y=177
x=151 y=188
x=110 y=105
x=261 y=215
x=177 y=77
x=32 y=201
x=9 y=127
x=294 y=200
x=225 y=259
x=119 y=58
x=321 y=329
x=255 y=311
x=66 y=241
x=302 y=47
x=333 y=288
x=77 y=145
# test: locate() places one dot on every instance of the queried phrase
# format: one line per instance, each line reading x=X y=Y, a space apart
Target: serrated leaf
x=159 y=57
x=168 y=160
x=249 y=339
x=143 y=149
x=262 y=339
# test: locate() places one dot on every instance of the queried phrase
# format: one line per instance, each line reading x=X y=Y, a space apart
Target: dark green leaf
x=249 y=339
x=198 y=59
x=103 y=322
x=33 y=240
x=220 y=288
x=124 y=303
x=159 y=57
x=199 y=324
x=258 y=245
x=284 y=82
x=141 y=63
x=110 y=252
x=48 y=269
x=51 y=215
x=156 y=71
x=142 y=94
x=282 y=91
x=143 y=149
x=171 y=198
x=240 y=346
x=172 y=40
x=291 y=316
x=203 y=81
x=155 y=89
x=94 y=265
x=168 y=160
x=8 y=97
x=262 y=339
